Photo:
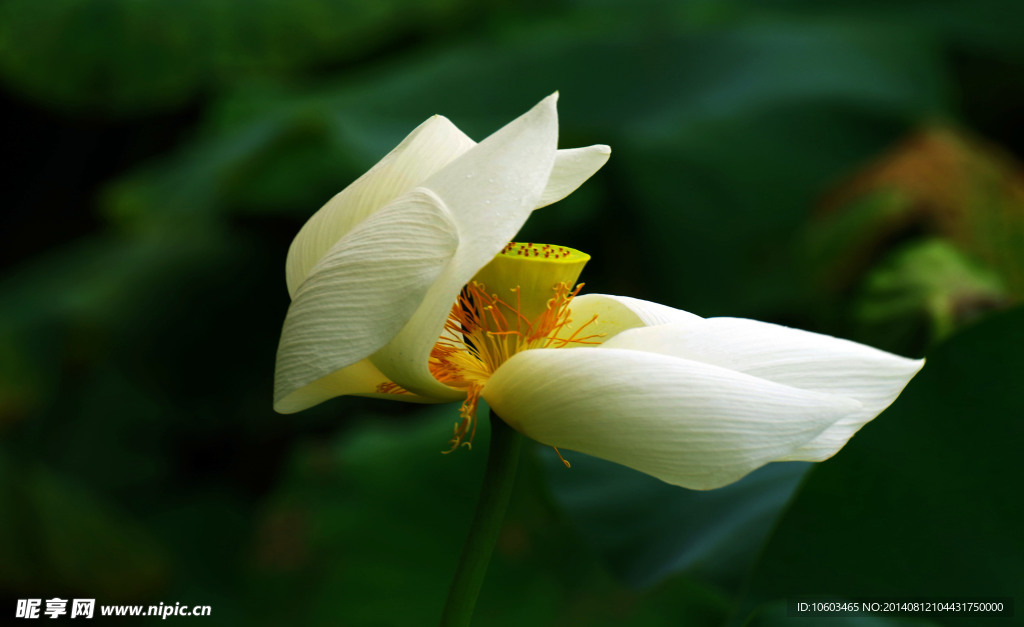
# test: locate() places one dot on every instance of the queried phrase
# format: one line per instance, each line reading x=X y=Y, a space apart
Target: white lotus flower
x=404 y=286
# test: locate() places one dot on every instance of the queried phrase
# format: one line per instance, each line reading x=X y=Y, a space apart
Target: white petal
x=801 y=359
x=685 y=422
x=360 y=379
x=572 y=168
x=429 y=148
x=358 y=297
x=616 y=314
x=490 y=192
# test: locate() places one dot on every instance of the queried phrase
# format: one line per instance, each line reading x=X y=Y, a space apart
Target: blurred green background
x=849 y=167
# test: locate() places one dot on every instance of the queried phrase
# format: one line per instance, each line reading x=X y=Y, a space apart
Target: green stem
x=499 y=477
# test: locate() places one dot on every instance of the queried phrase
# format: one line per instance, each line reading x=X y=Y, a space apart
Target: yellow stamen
x=391 y=387
x=484 y=330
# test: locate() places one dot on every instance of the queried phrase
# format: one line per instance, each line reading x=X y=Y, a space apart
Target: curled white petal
x=425 y=151
x=572 y=168
x=800 y=359
x=490 y=191
x=362 y=292
x=360 y=379
x=429 y=148
x=616 y=314
x=685 y=422
x=485 y=192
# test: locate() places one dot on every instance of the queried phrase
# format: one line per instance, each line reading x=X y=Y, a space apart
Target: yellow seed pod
x=535 y=271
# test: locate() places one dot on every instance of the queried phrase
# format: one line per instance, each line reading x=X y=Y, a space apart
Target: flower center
x=518 y=301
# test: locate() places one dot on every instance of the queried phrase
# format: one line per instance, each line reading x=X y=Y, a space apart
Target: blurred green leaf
x=840 y=244
x=921 y=240
x=74 y=304
x=732 y=175
x=127 y=56
x=924 y=501
x=939 y=180
x=723 y=136
x=648 y=529
x=989 y=25
x=286 y=160
x=930 y=280
x=56 y=536
x=381 y=515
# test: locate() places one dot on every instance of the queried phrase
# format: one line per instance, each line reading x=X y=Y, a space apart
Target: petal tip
x=284 y=410
x=550 y=102
x=280 y=403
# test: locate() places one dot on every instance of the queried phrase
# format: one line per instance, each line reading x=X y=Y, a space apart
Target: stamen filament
x=479 y=336
x=483 y=331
